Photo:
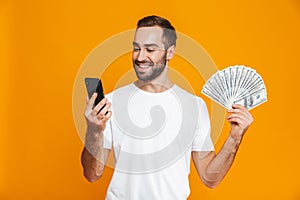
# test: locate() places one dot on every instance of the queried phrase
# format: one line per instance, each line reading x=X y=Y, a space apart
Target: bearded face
x=149 y=55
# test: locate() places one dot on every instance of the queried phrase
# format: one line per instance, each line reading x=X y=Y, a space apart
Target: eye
x=150 y=50
x=135 y=49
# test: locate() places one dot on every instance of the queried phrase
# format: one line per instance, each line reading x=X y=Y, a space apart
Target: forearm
x=93 y=156
x=212 y=168
x=221 y=163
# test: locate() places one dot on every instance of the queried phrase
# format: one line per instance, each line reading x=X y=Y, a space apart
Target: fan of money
x=236 y=85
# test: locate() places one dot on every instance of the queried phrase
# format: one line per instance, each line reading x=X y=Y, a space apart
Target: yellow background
x=43 y=43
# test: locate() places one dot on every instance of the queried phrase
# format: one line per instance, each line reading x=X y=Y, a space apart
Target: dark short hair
x=169 y=33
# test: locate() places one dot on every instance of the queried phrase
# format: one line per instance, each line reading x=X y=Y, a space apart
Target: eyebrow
x=145 y=45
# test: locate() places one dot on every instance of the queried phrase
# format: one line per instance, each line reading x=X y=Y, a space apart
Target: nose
x=142 y=55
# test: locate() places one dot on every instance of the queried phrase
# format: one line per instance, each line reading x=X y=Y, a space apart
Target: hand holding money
x=240 y=119
x=236 y=85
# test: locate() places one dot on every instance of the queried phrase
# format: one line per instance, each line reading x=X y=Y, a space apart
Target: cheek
x=156 y=57
x=134 y=57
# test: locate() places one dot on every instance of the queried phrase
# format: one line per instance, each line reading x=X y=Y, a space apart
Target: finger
x=98 y=107
x=237 y=120
x=107 y=116
x=91 y=101
x=247 y=114
x=237 y=112
x=104 y=117
x=239 y=106
x=241 y=120
x=241 y=117
x=242 y=111
x=104 y=109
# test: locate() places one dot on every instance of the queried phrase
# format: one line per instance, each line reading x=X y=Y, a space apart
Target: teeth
x=144 y=66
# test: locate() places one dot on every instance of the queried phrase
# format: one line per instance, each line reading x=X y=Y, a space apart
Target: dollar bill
x=236 y=84
x=253 y=100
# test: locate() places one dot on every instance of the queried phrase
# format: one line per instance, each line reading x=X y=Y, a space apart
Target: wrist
x=94 y=131
x=93 y=136
x=234 y=142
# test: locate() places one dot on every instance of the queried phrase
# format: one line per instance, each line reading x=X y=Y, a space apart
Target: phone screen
x=94 y=85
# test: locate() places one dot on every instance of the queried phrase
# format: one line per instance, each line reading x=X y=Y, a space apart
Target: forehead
x=148 y=35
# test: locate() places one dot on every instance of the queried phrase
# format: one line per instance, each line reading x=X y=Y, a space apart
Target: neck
x=154 y=87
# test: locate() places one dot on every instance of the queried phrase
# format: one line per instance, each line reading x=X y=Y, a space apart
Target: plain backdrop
x=43 y=44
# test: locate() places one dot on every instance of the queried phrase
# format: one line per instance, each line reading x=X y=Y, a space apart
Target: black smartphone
x=94 y=85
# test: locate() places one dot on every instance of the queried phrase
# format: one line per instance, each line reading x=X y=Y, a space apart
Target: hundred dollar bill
x=214 y=97
x=239 y=71
x=224 y=86
x=253 y=99
x=236 y=84
x=227 y=82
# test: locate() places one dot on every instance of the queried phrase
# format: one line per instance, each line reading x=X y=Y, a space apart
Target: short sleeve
x=202 y=140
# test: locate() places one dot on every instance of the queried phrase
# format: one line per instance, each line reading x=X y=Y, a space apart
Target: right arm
x=94 y=156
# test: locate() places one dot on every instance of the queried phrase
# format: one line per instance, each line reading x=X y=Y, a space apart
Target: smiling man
x=154 y=127
x=149 y=58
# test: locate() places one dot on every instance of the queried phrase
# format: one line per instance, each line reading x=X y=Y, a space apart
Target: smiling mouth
x=143 y=67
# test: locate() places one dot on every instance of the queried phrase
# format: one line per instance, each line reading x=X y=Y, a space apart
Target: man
x=156 y=127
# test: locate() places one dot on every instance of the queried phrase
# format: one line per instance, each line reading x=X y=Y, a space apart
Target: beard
x=150 y=70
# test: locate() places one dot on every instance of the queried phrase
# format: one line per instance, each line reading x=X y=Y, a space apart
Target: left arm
x=212 y=168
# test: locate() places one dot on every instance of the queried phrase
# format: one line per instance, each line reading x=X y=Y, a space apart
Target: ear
x=170 y=52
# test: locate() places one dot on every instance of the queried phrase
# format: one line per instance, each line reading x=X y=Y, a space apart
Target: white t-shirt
x=153 y=135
